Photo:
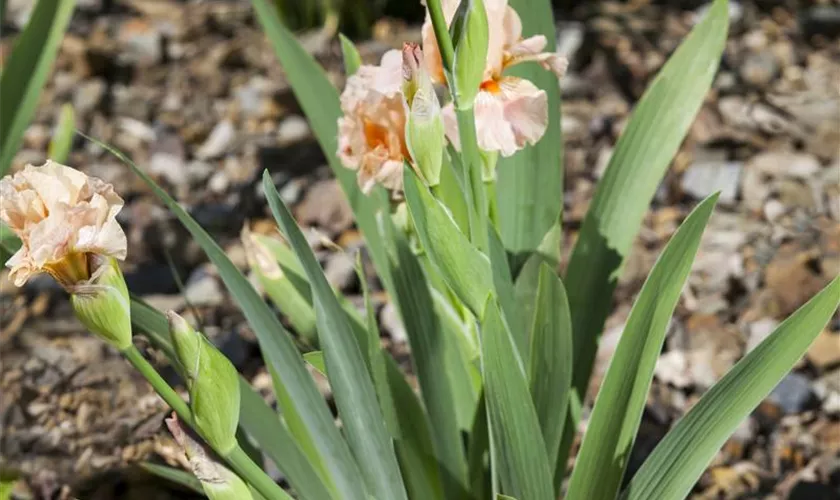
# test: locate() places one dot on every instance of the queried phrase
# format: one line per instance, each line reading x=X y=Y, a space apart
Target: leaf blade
x=680 y=458
x=353 y=387
x=602 y=460
x=665 y=111
x=550 y=368
x=26 y=71
x=515 y=428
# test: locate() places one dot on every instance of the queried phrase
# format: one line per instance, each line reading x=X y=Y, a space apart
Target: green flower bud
x=470 y=35
x=213 y=385
x=217 y=481
x=267 y=258
x=102 y=304
x=424 y=134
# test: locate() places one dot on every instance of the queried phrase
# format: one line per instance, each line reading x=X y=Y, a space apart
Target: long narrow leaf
x=646 y=147
x=305 y=410
x=65 y=131
x=26 y=71
x=429 y=354
x=462 y=266
x=515 y=428
x=615 y=418
x=530 y=186
x=550 y=369
x=352 y=385
x=255 y=416
x=680 y=458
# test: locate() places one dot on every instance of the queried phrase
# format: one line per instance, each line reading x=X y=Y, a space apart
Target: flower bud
x=424 y=133
x=212 y=382
x=217 y=481
x=470 y=35
x=267 y=257
x=101 y=303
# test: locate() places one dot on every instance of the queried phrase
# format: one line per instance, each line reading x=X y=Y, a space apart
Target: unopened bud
x=217 y=481
x=267 y=257
x=213 y=385
x=470 y=35
x=424 y=133
x=102 y=304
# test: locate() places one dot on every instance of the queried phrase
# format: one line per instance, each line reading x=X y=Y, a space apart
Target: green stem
x=476 y=198
x=444 y=41
x=253 y=475
x=160 y=386
x=492 y=205
x=236 y=458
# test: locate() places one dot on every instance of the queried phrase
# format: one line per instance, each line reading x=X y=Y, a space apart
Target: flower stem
x=444 y=41
x=236 y=458
x=254 y=475
x=476 y=197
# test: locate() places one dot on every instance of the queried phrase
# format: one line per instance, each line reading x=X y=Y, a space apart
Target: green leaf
x=9 y=243
x=530 y=183
x=430 y=352
x=505 y=292
x=681 y=457
x=26 y=71
x=352 y=59
x=647 y=145
x=615 y=418
x=353 y=388
x=305 y=410
x=550 y=370
x=255 y=416
x=316 y=360
x=62 y=140
x=319 y=100
x=464 y=268
x=515 y=428
x=180 y=477
x=405 y=417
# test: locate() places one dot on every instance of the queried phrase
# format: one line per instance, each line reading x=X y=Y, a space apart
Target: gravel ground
x=193 y=93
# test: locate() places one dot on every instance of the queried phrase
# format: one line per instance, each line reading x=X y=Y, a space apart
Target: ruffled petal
x=493 y=131
x=525 y=109
x=531 y=49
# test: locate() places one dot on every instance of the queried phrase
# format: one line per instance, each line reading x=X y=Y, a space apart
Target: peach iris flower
x=371 y=132
x=63 y=218
x=510 y=112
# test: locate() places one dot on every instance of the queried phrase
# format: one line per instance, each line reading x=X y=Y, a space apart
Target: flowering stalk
x=236 y=457
x=476 y=198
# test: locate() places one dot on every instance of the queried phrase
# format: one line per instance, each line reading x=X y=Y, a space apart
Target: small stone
x=825 y=351
x=793 y=394
x=168 y=166
x=88 y=96
x=203 y=289
x=760 y=330
x=774 y=209
x=340 y=270
x=141 y=41
x=701 y=179
x=291 y=191
x=391 y=323
x=218 y=183
x=199 y=171
x=326 y=206
x=219 y=142
x=292 y=130
x=759 y=69
x=672 y=368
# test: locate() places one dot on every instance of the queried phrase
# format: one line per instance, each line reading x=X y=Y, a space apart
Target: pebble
x=219 y=142
x=701 y=179
x=793 y=394
x=292 y=130
x=825 y=351
x=88 y=96
x=203 y=289
x=759 y=69
x=391 y=323
x=760 y=330
x=326 y=206
x=340 y=270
